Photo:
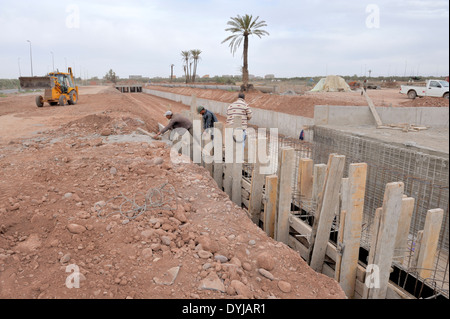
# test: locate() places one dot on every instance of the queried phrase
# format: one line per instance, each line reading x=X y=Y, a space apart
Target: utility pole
x=171 y=72
x=31 y=58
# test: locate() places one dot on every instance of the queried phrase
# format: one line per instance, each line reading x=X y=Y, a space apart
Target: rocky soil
x=83 y=192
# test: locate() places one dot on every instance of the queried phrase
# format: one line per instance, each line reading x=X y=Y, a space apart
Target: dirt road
x=79 y=204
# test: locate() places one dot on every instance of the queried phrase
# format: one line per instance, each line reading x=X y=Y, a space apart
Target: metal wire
x=160 y=198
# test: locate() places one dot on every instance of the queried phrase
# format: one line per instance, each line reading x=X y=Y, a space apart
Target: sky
x=307 y=37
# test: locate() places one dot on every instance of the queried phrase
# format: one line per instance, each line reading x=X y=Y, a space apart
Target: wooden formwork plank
x=305 y=178
x=218 y=154
x=285 y=194
x=256 y=191
x=326 y=213
x=375 y=114
x=236 y=192
x=208 y=156
x=430 y=240
x=385 y=241
x=320 y=171
x=374 y=230
x=352 y=226
x=305 y=230
x=401 y=240
x=270 y=206
x=416 y=255
x=229 y=159
x=193 y=104
x=340 y=245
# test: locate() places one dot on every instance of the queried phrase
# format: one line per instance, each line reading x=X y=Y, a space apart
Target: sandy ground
x=303 y=105
x=70 y=179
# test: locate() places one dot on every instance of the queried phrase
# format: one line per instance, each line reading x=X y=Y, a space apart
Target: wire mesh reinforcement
x=425 y=178
x=163 y=198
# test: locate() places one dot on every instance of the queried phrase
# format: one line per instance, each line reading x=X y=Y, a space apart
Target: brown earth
x=303 y=104
x=67 y=171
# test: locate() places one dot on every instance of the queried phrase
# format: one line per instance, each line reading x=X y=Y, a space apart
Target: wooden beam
x=373 y=109
x=208 y=157
x=416 y=255
x=236 y=192
x=353 y=226
x=229 y=159
x=270 y=206
x=322 y=223
x=305 y=178
x=385 y=242
x=429 y=244
x=218 y=154
x=285 y=194
x=320 y=171
x=256 y=191
x=305 y=230
x=401 y=240
x=340 y=245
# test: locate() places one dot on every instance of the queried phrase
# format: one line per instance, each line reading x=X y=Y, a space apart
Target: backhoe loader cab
x=59 y=88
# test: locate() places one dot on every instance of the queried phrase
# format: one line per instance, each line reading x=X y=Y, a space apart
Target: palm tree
x=196 y=57
x=186 y=57
x=242 y=28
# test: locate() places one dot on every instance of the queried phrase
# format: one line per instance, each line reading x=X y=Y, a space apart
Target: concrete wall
x=354 y=115
x=264 y=89
x=287 y=124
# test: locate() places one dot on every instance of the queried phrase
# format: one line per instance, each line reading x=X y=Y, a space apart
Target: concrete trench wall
x=287 y=124
x=361 y=115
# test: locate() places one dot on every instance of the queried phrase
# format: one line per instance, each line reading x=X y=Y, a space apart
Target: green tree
x=111 y=76
x=186 y=58
x=241 y=28
x=195 y=54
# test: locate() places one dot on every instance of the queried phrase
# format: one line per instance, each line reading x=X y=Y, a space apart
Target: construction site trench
x=82 y=192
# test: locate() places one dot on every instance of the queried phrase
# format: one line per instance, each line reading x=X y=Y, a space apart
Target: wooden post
x=238 y=161
x=285 y=194
x=383 y=250
x=218 y=154
x=416 y=255
x=430 y=240
x=375 y=228
x=340 y=240
x=373 y=109
x=256 y=190
x=326 y=212
x=401 y=240
x=208 y=157
x=270 y=206
x=320 y=171
x=229 y=159
x=305 y=172
x=193 y=105
x=353 y=227
x=340 y=245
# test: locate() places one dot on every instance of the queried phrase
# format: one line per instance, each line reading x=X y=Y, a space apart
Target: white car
x=435 y=88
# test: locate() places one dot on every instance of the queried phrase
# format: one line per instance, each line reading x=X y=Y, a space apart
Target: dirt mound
x=105 y=125
x=428 y=102
x=77 y=206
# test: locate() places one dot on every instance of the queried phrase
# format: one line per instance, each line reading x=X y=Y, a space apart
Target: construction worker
x=176 y=121
x=240 y=108
x=209 y=118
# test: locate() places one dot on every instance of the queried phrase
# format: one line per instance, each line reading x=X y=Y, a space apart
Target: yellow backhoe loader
x=59 y=88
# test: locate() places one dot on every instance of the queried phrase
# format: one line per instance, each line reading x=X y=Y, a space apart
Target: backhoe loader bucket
x=36 y=82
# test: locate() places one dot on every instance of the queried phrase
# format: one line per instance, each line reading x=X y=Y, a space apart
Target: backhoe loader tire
x=39 y=101
x=62 y=100
x=73 y=98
